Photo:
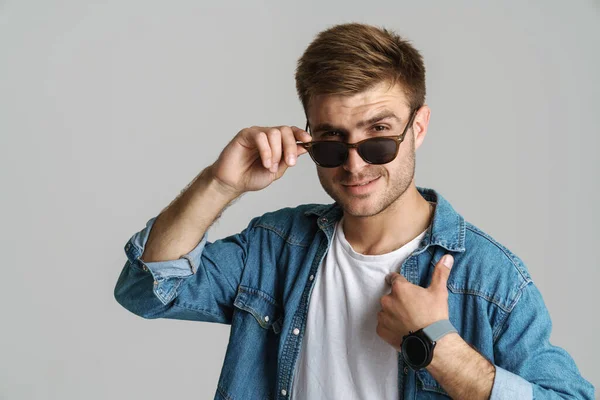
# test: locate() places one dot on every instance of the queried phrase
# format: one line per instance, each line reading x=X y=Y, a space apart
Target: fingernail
x=448 y=260
x=291 y=160
x=275 y=167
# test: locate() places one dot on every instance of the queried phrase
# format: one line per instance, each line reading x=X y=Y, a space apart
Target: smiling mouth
x=360 y=184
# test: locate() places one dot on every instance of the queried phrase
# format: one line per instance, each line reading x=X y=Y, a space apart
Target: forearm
x=461 y=370
x=182 y=224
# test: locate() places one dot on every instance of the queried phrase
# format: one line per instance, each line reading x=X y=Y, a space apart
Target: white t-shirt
x=342 y=356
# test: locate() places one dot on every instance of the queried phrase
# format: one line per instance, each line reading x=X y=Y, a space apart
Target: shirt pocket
x=265 y=309
x=429 y=388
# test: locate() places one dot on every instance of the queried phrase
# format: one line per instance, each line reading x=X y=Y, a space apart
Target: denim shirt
x=259 y=281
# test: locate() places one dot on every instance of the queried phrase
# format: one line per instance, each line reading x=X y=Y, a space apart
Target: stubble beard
x=378 y=201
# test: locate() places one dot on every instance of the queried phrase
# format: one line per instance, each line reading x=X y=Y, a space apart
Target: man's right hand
x=257 y=156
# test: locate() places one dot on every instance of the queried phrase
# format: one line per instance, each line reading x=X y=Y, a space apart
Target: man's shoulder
x=484 y=244
x=490 y=269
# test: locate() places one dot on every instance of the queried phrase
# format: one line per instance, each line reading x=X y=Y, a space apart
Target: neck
x=391 y=229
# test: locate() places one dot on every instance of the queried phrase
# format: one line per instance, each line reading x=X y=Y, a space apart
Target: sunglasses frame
x=397 y=138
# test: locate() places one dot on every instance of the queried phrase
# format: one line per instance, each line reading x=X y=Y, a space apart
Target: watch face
x=414 y=350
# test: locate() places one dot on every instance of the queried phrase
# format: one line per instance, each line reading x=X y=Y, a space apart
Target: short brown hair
x=349 y=58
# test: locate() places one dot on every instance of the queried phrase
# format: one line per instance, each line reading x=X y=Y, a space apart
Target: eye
x=384 y=128
x=332 y=133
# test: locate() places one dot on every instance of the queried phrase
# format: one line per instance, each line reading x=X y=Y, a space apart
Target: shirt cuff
x=509 y=386
x=186 y=265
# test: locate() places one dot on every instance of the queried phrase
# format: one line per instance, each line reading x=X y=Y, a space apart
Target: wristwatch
x=417 y=347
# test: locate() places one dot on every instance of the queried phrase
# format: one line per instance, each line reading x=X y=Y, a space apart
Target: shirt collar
x=447 y=229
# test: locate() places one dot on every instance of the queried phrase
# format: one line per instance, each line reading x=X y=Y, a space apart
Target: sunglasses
x=376 y=150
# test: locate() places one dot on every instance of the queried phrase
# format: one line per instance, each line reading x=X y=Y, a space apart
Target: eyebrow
x=385 y=114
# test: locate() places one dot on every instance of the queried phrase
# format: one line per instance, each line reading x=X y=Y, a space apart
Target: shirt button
x=266 y=318
x=311 y=277
x=155 y=283
x=296 y=331
x=145 y=268
x=405 y=370
x=283 y=392
x=128 y=246
x=324 y=219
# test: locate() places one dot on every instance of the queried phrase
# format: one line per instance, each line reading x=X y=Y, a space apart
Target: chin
x=360 y=207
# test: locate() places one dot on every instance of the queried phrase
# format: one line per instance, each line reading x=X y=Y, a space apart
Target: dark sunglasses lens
x=329 y=154
x=379 y=150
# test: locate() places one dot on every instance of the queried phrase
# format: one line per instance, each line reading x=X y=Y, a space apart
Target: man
x=387 y=293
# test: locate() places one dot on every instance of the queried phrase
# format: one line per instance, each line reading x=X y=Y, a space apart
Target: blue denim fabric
x=259 y=281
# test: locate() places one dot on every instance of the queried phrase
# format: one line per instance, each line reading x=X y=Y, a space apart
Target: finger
x=391 y=337
x=301 y=136
x=394 y=276
x=289 y=145
x=274 y=136
x=300 y=149
x=385 y=302
x=382 y=331
x=264 y=149
x=384 y=319
x=440 y=275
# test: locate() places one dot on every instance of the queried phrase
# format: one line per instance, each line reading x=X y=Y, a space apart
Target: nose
x=354 y=163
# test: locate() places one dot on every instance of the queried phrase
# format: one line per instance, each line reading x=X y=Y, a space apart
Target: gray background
x=108 y=110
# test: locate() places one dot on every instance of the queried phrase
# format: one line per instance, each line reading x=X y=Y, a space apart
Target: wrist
x=219 y=189
x=444 y=348
x=461 y=370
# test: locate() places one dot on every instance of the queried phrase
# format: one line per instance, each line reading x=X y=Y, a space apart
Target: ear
x=420 y=125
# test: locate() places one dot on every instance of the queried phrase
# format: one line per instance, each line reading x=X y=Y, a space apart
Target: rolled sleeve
x=163 y=271
x=186 y=265
x=508 y=386
x=200 y=285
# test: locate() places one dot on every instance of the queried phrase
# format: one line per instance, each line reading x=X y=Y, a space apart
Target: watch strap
x=439 y=329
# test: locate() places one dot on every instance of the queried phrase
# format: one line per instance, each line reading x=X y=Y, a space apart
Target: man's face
x=343 y=114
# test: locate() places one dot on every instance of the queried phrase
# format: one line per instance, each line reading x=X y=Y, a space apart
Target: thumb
x=442 y=272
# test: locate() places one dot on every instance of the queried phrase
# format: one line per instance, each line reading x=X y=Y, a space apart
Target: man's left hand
x=409 y=307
